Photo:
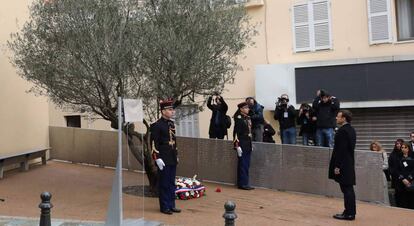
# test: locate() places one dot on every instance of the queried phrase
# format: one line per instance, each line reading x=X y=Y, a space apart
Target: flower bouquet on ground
x=188 y=188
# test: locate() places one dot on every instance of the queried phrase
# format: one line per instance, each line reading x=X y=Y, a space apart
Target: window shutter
x=301 y=28
x=187 y=126
x=321 y=25
x=379 y=21
x=312 y=26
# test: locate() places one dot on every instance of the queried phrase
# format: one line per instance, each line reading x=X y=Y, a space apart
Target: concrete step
x=9 y=221
x=20 y=221
x=140 y=222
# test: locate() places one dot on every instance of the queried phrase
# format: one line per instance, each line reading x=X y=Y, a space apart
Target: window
x=405 y=19
x=379 y=21
x=312 y=26
x=73 y=121
x=186 y=122
x=231 y=1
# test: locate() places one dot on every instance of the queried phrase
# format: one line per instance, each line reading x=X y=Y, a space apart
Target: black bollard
x=229 y=215
x=45 y=207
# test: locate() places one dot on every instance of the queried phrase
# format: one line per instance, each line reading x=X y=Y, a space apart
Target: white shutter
x=379 y=21
x=320 y=14
x=312 y=26
x=301 y=28
x=187 y=126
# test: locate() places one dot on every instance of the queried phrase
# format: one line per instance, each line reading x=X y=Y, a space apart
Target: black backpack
x=227 y=120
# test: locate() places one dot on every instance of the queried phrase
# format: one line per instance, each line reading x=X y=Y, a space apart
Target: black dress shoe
x=246 y=187
x=169 y=212
x=175 y=210
x=346 y=217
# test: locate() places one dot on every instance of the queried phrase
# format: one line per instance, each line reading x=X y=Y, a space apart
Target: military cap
x=166 y=103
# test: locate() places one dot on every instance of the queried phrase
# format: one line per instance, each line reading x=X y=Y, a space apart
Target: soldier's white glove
x=239 y=151
x=160 y=163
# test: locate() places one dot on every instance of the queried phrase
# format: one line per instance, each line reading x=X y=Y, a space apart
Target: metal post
x=120 y=123
x=45 y=207
x=115 y=215
x=229 y=214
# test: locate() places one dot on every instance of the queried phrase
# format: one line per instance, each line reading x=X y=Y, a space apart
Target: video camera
x=282 y=101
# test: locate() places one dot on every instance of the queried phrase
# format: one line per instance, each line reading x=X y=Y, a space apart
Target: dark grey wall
x=273 y=166
x=357 y=82
x=97 y=147
x=283 y=167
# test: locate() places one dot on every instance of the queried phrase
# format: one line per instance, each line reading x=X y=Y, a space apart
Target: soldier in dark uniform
x=165 y=156
x=342 y=164
x=242 y=136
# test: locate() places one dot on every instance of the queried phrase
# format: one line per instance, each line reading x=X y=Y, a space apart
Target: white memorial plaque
x=133 y=110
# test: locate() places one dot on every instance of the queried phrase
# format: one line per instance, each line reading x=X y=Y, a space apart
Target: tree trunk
x=136 y=143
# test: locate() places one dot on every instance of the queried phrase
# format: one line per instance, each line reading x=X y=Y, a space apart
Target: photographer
x=326 y=108
x=219 y=109
x=307 y=129
x=256 y=115
x=268 y=133
x=286 y=115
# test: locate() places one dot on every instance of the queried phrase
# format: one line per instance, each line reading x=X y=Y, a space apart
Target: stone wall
x=282 y=167
x=274 y=166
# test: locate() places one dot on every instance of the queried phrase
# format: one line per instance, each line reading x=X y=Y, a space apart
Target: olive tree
x=83 y=54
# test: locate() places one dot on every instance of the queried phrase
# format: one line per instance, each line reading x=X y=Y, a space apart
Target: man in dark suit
x=342 y=164
x=412 y=141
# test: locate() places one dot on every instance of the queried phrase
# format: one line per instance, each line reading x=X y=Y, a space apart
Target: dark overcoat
x=343 y=156
x=218 y=112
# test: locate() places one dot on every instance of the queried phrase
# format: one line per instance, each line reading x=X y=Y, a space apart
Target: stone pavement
x=9 y=221
x=82 y=192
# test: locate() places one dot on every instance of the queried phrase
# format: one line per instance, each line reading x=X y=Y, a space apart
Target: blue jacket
x=256 y=114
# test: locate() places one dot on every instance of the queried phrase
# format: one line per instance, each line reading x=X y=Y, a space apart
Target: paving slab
x=82 y=193
x=10 y=221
